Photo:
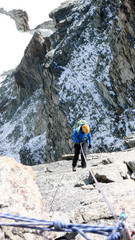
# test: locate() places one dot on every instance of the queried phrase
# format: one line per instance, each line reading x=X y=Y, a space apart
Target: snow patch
x=14 y=133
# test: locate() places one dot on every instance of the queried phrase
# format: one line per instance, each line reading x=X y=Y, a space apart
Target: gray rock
x=131 y=165
x=52 y=191
x=19 y=16
x=130 y=140
x=84 y=69
x=81 y=201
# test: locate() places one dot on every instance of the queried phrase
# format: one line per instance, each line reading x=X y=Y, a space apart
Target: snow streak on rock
x=79 y=86
x=14 y=133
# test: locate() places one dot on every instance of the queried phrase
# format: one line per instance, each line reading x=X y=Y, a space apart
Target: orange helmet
x=85 y=128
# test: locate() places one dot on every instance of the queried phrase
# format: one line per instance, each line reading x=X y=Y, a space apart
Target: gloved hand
x=89 y=146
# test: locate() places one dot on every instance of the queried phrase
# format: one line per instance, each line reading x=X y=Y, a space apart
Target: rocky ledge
x=75 y=196
x=53 y=191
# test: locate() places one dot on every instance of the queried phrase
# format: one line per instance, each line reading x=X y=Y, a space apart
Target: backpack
x=80 y=123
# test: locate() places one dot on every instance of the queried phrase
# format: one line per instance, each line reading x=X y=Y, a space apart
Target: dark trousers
x=77 y=149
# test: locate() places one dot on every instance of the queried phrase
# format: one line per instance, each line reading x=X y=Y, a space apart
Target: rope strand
x=99 y=188
x=51 y=207
x=57 y=226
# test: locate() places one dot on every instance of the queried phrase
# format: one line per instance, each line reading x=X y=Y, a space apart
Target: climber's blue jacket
x=80 y=136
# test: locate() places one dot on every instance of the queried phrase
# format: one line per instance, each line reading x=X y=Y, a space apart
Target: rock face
x=85 y=69
x=75 y=197
x=20 y=17
x=19 y=196
x=123 y=65
x=30 y=65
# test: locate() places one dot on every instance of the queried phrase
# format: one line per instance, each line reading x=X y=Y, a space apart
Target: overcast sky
x=13 y=42
x=37 y=10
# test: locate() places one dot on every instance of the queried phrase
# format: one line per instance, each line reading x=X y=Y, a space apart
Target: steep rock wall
x=85 y=69
x=122 y=69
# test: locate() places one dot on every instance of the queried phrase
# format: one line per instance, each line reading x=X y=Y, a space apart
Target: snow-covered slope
x=19 y=129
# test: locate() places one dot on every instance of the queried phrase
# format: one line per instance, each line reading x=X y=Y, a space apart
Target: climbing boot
x=74 y=169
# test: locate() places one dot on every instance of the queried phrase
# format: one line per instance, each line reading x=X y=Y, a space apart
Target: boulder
x=19 y=196
x=130 y=140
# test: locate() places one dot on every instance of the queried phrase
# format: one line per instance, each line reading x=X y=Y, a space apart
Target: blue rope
x=112 y=233
x=115 y=234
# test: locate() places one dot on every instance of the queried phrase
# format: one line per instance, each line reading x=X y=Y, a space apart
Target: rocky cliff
x=84 y=69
